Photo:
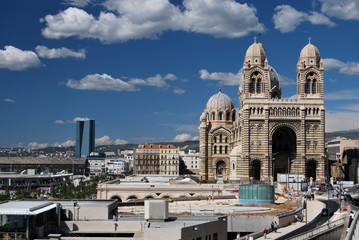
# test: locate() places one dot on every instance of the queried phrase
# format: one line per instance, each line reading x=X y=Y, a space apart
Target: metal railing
x=353 y=232
x=13 y=235
x=320 y=230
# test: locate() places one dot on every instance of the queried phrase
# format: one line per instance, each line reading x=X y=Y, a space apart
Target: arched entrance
x=255 y=170
x=117 y=197
x=311 y=169
x=220 y=168
x=284 y=148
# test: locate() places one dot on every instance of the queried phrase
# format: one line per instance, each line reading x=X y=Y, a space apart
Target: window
x=220 y=115
x=314 y=86
x=252 y=86
x=220 y=149
x=213 y=116
x=259 y=84
x=226 y=149
x=215 y=236
x=215 y=150
x=220 y=138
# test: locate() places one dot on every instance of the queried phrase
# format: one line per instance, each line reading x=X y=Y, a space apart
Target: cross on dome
x=309 y=39
x=255 y=39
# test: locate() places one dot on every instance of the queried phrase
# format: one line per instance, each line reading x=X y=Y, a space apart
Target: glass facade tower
x=85 y=138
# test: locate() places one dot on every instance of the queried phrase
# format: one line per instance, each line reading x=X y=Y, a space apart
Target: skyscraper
x=85 y=137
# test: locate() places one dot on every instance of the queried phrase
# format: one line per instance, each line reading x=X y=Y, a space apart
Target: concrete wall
x=218 y=227
x=248 y=223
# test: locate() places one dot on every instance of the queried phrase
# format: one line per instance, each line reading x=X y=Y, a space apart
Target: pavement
x=314 y=209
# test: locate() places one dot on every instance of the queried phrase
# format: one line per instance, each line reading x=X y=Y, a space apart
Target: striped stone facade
x=270 y=135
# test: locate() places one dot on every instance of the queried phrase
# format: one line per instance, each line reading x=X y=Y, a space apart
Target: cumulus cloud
x=340 y=120
x=67 y=143
x=9 y=100
x=185 y=137
x=16 y=59
x=348 y=68
x=136 y=19
x=105 y=140
x=287 y=19
x=343 y=9
x=349 y=94
x=63 y=52
x=223 y=78
x=106 y=82
x=59 y=122
x=36 y=145
x=120 y=141
x=102 y=82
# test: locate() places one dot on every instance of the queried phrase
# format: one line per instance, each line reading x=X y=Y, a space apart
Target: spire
x=255 y=39
x=220 y=89
x=309 y=39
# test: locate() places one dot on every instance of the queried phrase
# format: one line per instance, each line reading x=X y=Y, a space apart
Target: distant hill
x=193 y=145
x=350 y=134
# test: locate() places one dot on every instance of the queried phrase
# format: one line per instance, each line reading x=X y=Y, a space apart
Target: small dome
x=219 y=101
x=255 y=54
x=310 y=51
x=274 y=77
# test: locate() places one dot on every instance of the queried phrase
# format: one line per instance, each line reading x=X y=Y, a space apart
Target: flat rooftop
x=25 y=207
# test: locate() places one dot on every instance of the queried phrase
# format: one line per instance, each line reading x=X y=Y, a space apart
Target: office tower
x=85 y=138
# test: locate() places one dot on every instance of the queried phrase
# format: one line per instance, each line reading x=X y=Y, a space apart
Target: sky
x=145 y=69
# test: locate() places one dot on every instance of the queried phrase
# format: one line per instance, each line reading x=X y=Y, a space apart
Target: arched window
x=226 y=149
x=226 y=140
x=228 y=116
x=314 y=86
x=220 y=115
x=220 y=149
x=213 y=116
x=307 y=86
x=259 y=85
x=215 y=139
x=215 y=150
x=252 y=86
x=220 y=138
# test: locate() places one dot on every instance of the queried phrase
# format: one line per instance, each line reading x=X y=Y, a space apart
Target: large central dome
x=219 y=101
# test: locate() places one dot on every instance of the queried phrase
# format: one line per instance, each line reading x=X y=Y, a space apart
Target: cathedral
x=267 y=134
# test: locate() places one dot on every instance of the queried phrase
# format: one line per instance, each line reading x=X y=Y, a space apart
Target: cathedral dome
x=255 y=54
x=274 y=77
x=219 y=101
x=310 y=51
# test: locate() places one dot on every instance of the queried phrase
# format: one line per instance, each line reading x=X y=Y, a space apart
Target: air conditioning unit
x=156 y=210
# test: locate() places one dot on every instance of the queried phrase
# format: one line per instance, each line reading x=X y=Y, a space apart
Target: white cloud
x=348 y=68
x=106 y=82
x=102 y=82
x=343 y=9
x=223 y=78
x=67 y=143
x=15 y=59
x=352 y=107
x=63 y=52
x=286 y=81
x=9 y=100
x=287 y=19
x=59 y=122
x=120 y=141
x=105 y=140
x=185 y=137
x=35 y=145
x=350 y=94
x=78 y=119
x=179 y=91
x=126 y=20
x=337 y=121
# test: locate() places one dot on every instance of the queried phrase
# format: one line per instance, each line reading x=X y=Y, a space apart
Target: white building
x=191 y=160
x=117 y=166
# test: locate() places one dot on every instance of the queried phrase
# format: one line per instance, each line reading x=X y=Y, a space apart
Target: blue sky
x=144 y=69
